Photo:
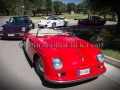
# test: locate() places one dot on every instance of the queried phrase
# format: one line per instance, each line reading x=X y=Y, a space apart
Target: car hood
x=72 y=50
x=14 y=28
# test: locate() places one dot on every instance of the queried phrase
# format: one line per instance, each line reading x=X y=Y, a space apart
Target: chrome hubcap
x=54 y=25
x=40 y=65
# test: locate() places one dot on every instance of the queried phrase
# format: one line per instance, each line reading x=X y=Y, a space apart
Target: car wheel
x=103 y=23
x=54 y=25
x=33 y=26
x=38 y=26
x=39 y=66
x=81 y=24
x=30 y=28
x=66 y=24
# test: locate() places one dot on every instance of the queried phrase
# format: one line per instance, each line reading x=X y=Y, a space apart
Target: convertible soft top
x=46 y=31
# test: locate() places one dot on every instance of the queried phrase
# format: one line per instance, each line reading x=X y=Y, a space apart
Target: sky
x=69 y=1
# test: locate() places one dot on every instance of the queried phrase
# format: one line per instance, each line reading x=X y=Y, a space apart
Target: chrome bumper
x=72 y=81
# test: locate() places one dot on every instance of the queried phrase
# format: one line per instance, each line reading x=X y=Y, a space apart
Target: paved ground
x=17 y=73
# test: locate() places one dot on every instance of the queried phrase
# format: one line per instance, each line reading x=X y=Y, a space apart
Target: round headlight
x=100 y=57
x=1 y=28
x=23 y=28
x=57 y=63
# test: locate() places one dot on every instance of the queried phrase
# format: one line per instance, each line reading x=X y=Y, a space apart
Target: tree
x=64 y=7
x=14 y=7
x=48 y=6
x=2 y=7
x=58 y=7
x=83 y=7
x=71 y=7
x=28 y=7
x=79 y=8
x=37 y=6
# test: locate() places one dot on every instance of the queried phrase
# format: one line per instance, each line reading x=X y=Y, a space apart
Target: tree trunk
x=118 y=25
x=34 y=14
x=104 y=16
x=113 y=16
x=47 y=13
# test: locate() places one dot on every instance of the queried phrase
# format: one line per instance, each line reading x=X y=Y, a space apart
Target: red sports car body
x=92 y=20
x=16 y=27
x=62 y=58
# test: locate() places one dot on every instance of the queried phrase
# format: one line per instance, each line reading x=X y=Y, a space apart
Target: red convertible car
x=16 y=27
x=92 y=20
x=62 y=58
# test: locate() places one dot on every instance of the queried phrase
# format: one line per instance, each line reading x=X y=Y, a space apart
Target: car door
x=30 y=46
x=27 y=46
x=96 y=20
x=62 y=22
x=58 y=22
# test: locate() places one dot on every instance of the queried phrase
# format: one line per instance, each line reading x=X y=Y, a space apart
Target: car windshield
x=94 y=17
x=18 y=20
x=52 y=18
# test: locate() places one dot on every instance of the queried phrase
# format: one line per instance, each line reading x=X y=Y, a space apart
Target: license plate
x=11 y=35
x=84 y=71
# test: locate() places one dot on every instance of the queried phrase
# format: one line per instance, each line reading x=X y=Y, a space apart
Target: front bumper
x=11 y=35
x=44 y=25
x=74 y=78
x=72 y=81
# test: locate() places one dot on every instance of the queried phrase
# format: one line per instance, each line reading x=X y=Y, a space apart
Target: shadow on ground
x=102 y=34
x=55 y=86
x=11 y=39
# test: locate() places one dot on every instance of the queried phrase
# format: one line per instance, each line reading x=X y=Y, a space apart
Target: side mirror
x=6 y=21
x=30 y=21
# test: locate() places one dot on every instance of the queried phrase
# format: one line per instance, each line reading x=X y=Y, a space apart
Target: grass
x=113 y=50
x=68 y=16
x=75 y=16
x=112 y=53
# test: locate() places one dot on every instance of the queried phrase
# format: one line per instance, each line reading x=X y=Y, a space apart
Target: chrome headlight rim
x=100 y=57
x=1 y=28
x=23 y=28
x=57 y=63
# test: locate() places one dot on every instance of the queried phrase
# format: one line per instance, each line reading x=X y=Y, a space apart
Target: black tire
x=103 y=23
x=33 y=26
x=0 y=38
x=39 y=66
x=66 y=24
x=38 y=26
x=54 y=25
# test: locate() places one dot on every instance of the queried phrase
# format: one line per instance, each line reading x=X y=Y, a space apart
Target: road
x=17 y=73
